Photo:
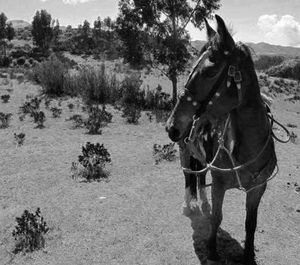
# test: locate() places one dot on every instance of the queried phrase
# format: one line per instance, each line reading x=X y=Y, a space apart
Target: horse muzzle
x=174 y=133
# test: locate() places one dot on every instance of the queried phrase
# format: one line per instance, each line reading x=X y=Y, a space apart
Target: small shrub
x=293 y=137
x=131 y=95
x=165 y=152
x=92 y=163
x=161 y=116
x=5 y=119
x=5 y=98
x=132 y=114
x=19 y=138
x=29 y=232
x=21 y=61
x=56 y=112
x=39 y=118
x=29 y=106
x=47 y=102
x=71 y=106
x=5 y=61
x=291 y=125
x=78 y=121
x=97 y=119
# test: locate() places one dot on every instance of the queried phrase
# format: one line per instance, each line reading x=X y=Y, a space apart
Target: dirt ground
x=136 y=217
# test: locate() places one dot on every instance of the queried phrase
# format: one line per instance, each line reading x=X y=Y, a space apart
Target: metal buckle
x=231 y=70
x=237 y=77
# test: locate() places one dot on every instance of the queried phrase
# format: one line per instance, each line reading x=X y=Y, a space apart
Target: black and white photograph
x=149 y=132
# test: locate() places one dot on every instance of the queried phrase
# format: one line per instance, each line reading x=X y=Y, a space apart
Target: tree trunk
x=174 y=90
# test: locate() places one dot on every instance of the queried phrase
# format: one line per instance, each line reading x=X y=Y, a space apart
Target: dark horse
x=221 y=124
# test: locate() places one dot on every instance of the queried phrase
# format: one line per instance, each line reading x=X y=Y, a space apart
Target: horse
x=222 y=125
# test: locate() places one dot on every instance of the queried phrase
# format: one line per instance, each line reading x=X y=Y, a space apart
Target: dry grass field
x=135 y=218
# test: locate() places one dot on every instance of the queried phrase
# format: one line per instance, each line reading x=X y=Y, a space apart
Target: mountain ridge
x=262 y=48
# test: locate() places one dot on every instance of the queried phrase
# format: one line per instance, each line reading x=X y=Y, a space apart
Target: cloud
x=283 y=30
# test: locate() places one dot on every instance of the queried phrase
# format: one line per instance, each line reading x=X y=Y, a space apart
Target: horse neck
x=251 y=122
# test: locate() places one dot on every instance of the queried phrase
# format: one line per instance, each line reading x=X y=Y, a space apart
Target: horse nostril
x=173 y=133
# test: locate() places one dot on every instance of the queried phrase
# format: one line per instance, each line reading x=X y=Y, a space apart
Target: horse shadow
x=229 y=249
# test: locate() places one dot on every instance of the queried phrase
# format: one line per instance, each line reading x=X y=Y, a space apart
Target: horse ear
x=224 y=34
x=209 y=30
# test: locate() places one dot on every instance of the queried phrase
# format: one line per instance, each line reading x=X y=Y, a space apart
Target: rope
x=234 y=168
x=270 y=116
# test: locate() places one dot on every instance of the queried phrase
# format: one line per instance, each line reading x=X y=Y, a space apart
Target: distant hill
x=262 y=48
x=19 y=24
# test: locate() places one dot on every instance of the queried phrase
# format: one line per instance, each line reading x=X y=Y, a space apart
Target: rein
x=210 y=166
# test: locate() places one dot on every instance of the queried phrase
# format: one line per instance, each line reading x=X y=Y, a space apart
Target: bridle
x=233 y=75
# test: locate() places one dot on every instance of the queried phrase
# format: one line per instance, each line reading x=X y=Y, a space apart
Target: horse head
x=216 y=84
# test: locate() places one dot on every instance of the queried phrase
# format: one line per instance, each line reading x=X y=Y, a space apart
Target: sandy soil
x=136 y=217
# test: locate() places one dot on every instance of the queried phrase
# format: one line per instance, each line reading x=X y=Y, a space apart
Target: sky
x=271 y=21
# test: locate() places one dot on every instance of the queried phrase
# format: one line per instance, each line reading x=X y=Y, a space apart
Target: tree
x=155 y=31
x=3 y=20
x=6 y=32
x=56 y=32
x=10 y=32
x=42 y=31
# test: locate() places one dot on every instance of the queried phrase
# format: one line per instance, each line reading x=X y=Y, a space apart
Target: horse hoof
x=189 y=208
x=193 y=205
x=186 y=210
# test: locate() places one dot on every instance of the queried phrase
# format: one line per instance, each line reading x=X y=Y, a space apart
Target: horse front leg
x=190 y=197
x=252 y=202
x=217 y=198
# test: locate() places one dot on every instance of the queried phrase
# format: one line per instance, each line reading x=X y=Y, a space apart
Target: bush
x=158 y=100
x=132 y=114
x=131 y=95
x=94 y=85
x=56 y=112
x=51 y=75
x=29 y=107
x=5 y=98
x=165 y=152
x=92 y=163
x=78 y=121
x=29 y=232
x=71 y=106
x=5 y=119
x=97 y=119
x=19 y=138
x=39 y=118
x=5 y=61
x=21 y=61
